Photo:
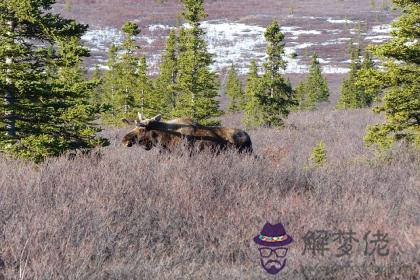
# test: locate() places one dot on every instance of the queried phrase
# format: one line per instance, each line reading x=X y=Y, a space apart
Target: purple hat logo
x=272 y=242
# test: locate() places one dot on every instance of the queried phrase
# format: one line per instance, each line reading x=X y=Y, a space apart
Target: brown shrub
x=132 y=214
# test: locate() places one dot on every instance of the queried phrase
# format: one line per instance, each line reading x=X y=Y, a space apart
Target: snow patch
x=378 y=38
x=339 y=21
x=383 y=28
x=102 y=38
x=335 y=41
x=330 y=69
x=155 y=27
x=323 y=61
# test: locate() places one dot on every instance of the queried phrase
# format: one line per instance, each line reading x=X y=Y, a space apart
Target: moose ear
x=157 y=118
x=141 y=123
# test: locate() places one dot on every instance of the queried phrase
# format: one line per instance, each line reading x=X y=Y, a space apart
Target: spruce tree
x=128 y=66
x=110 y=85
x=319 y=154
x=313 y=89
x=234 y=91
x=197 y=84
x=399 y=82
x=276 y=98
x=253 y=115
x=349 y=92
x=316 y=82
x=121 y=79
x=166 y=83
x=352 y=94
x=45 y=108
x=147 y=103
x=305 y=96
x=95 y=95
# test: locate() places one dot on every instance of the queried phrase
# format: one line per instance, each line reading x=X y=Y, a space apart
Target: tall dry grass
x=124 y=213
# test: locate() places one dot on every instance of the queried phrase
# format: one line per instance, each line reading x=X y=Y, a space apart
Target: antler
x=145 y=122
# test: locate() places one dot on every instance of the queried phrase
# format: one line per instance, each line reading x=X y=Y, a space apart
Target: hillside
x=118 y=212
x=235 y=34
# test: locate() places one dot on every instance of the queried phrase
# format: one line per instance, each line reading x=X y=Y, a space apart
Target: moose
x=153 y=132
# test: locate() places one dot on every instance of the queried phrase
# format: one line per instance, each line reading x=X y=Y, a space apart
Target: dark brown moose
x=153 y=132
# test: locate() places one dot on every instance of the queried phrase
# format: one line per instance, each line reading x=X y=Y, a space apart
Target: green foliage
x=149 y=104
x=234 y=91
x=96 y=92
x=275 y=94
x=316 y=82
x=352 y=93
x=166 y=83
x=252 y=111
x=126 y=83
x=197 y=84
x=399 y=82
x=319 y=155
x=305 y=96
x=314 y=89
x=46 y=107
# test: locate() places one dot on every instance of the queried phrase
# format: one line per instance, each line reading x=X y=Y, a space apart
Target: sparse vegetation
x=126 y=213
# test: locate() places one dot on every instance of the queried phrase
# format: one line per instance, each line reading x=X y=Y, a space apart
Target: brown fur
x=172 y=133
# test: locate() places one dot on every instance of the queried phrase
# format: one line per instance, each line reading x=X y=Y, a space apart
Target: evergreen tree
x=252 y=111
x=197 y=84
x=128 y=70
x=96 y=93
x=349 y=92
x=45 y=109
x=234 y=91
x=110 y=85
x=399 y=83
x=305 y=96
x=352 y=94
x=121 y=79
x=319 y=155
x=166 y=83
x=276 y=97
x=316 y=82
x=149 y=105
x=314 y=89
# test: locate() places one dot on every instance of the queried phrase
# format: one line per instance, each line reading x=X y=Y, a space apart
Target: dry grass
x=132 y=214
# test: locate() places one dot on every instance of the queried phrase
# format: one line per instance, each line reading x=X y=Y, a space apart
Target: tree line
x=49 y=105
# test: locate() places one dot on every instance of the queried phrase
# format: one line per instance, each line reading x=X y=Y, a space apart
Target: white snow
x=411 y=43
x=155 y=27
x=384 y=28
x=102 y=38
x=323 y=61
x=330 y=69
x=304 y=45
x=229 y=42
x=335 y=41
x=148 y=39
x=378 y=38
x=295 y=32
x=339 y=21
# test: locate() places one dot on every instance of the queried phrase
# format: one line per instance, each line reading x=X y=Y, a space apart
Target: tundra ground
x=124 y=213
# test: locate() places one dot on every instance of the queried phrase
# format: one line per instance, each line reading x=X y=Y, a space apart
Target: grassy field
x=124 y=213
